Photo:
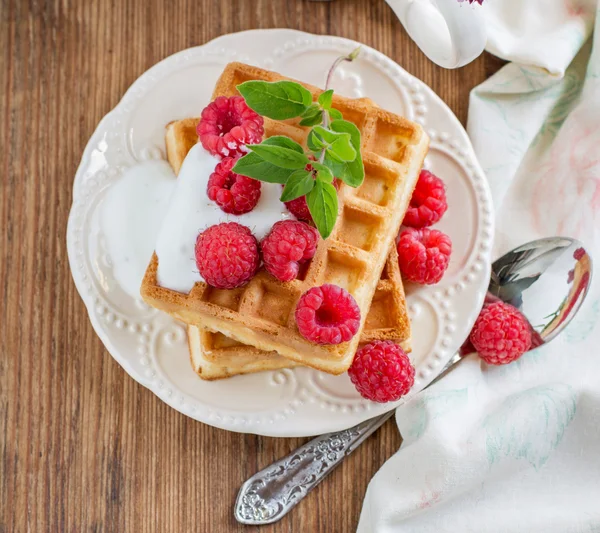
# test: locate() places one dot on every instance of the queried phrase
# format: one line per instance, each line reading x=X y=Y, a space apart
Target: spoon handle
x=271 y=493
x=274 y=491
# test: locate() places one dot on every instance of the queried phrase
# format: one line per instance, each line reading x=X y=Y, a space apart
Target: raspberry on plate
x=227 y=255
x=382 y=372
x=233 y=193
x=327 y=315
x=501 y=334
x=428 y=202
x=227 y=125
x=288 y=244
x=423 y=255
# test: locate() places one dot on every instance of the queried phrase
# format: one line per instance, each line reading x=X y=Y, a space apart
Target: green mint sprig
x=333 y=146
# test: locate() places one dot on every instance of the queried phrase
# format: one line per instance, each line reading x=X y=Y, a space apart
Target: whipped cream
x=190 y=212
x=130 y=218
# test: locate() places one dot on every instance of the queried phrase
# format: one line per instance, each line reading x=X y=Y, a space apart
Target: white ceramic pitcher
x=450 y=32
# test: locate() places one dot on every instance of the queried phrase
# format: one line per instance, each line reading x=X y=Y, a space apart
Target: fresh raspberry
x=423 y=255
x=227 y=255
x=288 y=244
x=233 y=193
x=579 y=253
x=299 y=208
x=327 y=315
x=382 y=372
x=501 y=334
x=227 y=125
x=428 y=202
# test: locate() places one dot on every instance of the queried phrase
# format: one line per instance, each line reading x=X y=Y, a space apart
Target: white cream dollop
x=190 y=212
x=130 y=219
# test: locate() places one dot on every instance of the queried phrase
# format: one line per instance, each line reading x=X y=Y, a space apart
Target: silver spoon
x=546 y=279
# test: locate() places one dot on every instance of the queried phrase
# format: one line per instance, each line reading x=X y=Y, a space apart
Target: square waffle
x=261 y=314
x=215 y=356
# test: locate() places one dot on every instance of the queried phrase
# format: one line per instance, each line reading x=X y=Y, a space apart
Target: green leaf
x=311 y=110
x=350 y=172
x=278 y=100
x=335 y=114
x=254 y=166
x=283 y=142
x=313 y=120
x=298 y=184
x=323 y=206
x=314 y=142
x=325 y=99
x=323 y=172
x=280 y=156
x=339 y=144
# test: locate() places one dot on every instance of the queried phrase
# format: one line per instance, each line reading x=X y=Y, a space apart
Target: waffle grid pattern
x=262 y=312
x=216 y=356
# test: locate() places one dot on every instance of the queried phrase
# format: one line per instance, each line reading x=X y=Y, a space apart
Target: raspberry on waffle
x=215 y=356
x=353 y=257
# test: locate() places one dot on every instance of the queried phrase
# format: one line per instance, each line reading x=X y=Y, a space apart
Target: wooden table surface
x=84 y=447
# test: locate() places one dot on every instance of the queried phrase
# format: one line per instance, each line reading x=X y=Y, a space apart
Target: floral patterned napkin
x=517 y=448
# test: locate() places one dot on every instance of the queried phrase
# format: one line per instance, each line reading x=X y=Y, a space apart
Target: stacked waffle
x=253 y=328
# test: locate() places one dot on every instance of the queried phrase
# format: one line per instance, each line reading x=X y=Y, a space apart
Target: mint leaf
x=323 y=206
x=314 y=142
x=312 y=120
x=278 y=100
x=325 y=99
x=339 y=145
x=283 y=142
x=298 y=184
x=350 y=172
x=311 y=110
x=323 y=172
x=280 y=156
x=254 y=166
x=335 y=114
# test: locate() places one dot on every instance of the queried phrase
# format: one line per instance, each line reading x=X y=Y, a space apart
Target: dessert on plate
x=216 y=356
x=310 y=300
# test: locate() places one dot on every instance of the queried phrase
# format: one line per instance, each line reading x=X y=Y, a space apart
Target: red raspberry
x=227 y=125
x=233 y=193
x=327 y=315
x=288 y=244
x=578 y=254
x=501 y=334
x=299 y=208
x=423 y=255
x=428 y=202
x=227 y=255
x=382 y=372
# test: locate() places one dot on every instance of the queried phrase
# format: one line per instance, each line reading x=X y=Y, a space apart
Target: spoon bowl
x=547 y=280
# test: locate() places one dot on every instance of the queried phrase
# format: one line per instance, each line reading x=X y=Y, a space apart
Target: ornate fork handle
x=271 y=493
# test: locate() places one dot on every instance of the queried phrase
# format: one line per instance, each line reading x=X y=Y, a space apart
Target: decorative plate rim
x=460 y=150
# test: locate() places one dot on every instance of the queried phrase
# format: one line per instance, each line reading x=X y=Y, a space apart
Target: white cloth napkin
x=517 y=448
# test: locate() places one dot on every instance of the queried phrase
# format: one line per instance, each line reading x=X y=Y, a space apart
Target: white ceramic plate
x=152 y=347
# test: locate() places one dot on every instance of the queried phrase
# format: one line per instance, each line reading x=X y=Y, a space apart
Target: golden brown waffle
x=261 y=314
x=215 y=356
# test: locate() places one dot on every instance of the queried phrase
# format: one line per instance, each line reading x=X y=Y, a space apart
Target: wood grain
x=84 y=447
